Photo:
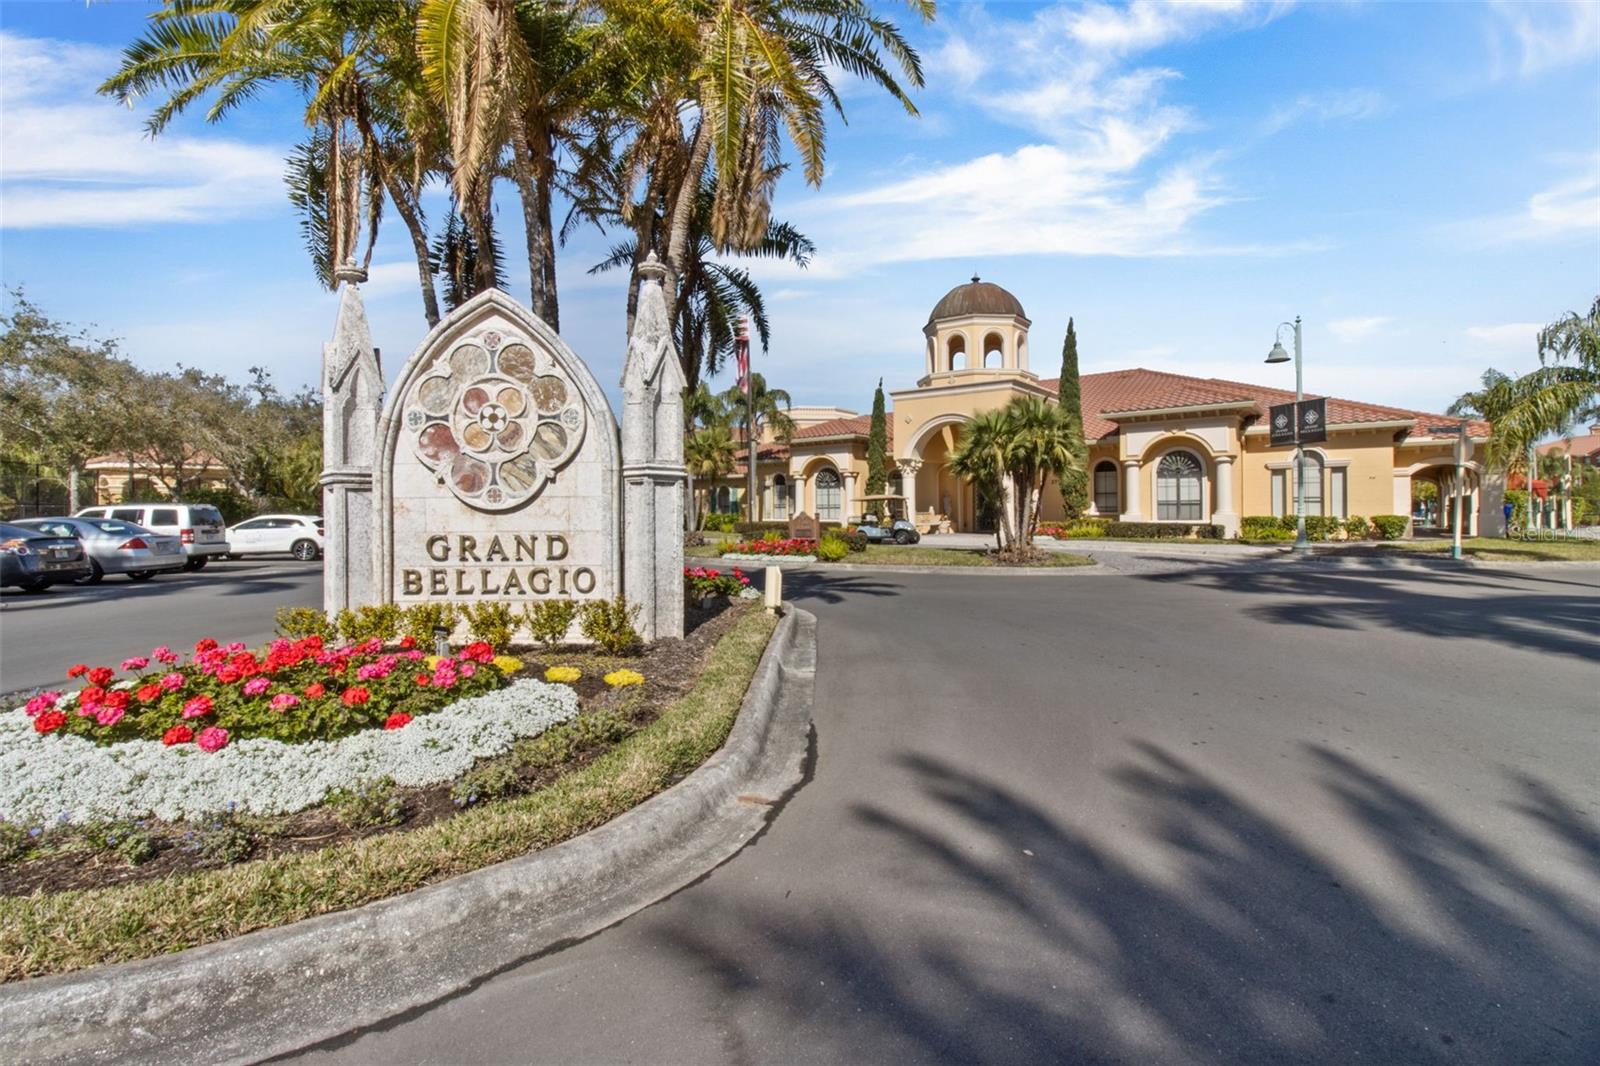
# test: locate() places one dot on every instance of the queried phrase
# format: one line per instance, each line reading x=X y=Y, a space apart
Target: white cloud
x=1517 y=338
x=1569 y=209
x=1342 y=105
x=71 y=158
x=1349 y=330
x=1526 y=39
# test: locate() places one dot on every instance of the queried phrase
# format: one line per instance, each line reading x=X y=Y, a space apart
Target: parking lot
x=42 y=634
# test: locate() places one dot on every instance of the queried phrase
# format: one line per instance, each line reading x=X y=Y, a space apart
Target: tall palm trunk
x=522 y=174
x=419 y=245
x=683 y=210
x=544 y=172
x=476 y=216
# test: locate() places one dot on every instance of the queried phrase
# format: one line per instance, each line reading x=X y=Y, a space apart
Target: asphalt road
x=42 y=634
x=1289 y=814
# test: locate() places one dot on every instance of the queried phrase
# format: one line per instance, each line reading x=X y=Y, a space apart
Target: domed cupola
x=978 y=329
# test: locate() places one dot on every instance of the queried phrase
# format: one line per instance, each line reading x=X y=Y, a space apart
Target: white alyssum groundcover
x=52 y=777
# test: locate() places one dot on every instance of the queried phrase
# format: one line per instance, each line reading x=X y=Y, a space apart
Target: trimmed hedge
x=757 y=529
x=1318 y=527
x=1391 y=526
x=1162 y=531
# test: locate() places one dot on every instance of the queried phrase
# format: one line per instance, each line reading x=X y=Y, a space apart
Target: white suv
x=198 y=525
x=298 y=534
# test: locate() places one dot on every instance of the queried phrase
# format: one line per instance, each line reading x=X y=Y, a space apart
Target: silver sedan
x=114 y=546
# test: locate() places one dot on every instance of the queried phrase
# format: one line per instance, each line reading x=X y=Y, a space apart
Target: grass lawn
x=1496 y=548
x=47 y=933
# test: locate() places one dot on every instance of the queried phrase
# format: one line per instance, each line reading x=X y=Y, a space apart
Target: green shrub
x=1391 y=526
x=379 y=620
x=368 y=805
x=1518 y=499
x=555 y=746
x=719 y=523
x=549 y=620
x=297 y=622
x=489 y=781
x=832 y=548
x=1356 y=527
x=1162 y=531
x=127 y=839
x=1265 y=527
x=610 y=624
x=1580 y=508
x=1321 y=526
x=234 y=507
x=853 y=540
x=490 y=622
x=15 y=842
x=421 y=619
x=761 y=529
x=223 y=839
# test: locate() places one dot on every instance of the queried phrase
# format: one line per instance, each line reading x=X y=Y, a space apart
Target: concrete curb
x=280 y=990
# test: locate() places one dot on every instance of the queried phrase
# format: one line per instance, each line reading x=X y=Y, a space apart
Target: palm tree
x=708 y=453
x=981 y=458
x=1039 y=445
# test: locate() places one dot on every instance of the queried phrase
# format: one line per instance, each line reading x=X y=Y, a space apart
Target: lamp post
x=1278 y=355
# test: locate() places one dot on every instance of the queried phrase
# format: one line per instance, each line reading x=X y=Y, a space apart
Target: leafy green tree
x=878 y=446
x=981 y=457
x=709 y=455
x=763 y=407
x=1075 y=485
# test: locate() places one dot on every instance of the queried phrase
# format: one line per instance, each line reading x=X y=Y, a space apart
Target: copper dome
x=976 y=297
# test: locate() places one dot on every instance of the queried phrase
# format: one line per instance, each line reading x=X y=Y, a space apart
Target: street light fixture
x=1278 y=355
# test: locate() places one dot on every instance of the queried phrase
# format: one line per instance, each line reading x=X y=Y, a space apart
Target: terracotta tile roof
x=859 y=426
x=766 y=453
x=1155 y=390
x=204 y=460
x=1586 y=446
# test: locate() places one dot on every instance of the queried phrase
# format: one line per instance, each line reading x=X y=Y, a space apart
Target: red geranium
x=423 y=680
x=77 y=670
x=118 y=698
x=101 y=675
x=355 y=696
x=228 y=675
x=91 y=696
x=480 y=652
x=316 y=690
x=204 y=644
x=178 y=734
x=396 y=720
x=49 y=721
x=148 y=693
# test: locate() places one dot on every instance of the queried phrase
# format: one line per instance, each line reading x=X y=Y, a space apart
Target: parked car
x=198 y=525
x=115 y=547
x=33 y=561
x=300 y=535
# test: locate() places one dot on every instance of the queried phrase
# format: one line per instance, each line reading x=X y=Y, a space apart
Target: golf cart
x=884 y=520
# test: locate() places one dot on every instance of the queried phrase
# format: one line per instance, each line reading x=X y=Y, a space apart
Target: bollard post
x=772 y=588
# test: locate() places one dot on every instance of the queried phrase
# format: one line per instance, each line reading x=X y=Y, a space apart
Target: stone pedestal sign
x=497 y=470
x=803 y=527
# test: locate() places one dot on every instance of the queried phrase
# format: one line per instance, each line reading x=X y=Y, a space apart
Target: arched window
x=780 y=496
x=1178 y=488
x=828 y=496
x=956 y=353
x=1105 y=488
x=994 y=351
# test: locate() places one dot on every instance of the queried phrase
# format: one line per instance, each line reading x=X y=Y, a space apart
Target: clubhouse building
x=1162 y=447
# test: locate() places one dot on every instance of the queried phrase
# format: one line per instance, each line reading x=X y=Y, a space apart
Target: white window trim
x=1206 y=488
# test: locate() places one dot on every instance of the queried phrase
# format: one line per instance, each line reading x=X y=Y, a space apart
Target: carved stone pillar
x=352 y=404
x=1226 y=515
x=908 y=481
x=1130 y=491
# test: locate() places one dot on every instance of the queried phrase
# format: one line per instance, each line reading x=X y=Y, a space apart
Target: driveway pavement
x=1209 y=815
x=43 y=634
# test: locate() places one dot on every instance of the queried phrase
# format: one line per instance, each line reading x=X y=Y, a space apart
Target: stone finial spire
x=653 y=473
x=352 y=403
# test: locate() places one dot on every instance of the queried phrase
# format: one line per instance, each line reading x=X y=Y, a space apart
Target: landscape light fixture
x=1278 y=355
x=441 y=642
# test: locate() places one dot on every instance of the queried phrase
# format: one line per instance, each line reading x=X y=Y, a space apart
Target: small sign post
x=803 y=527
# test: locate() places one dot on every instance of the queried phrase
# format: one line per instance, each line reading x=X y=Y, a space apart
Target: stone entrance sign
x=498 y=468
x=803 y=527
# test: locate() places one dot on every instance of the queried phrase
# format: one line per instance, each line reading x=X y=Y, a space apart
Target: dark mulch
x=69 y=859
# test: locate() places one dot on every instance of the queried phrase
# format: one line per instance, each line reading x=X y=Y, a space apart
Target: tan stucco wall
x=1369 y=473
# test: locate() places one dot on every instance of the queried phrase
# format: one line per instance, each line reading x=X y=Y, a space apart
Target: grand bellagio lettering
x=508 y=566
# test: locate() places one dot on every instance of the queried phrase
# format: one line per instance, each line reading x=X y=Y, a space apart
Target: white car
x=299 y=535
x=198 y=526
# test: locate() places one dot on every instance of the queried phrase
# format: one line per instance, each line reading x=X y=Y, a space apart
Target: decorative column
x=1130 y=491
x=1402 y=496
x=800 y=503
x=849 y=496
x=908 y=481
x=653 y=473
x=1226 y=515
x=352 y=404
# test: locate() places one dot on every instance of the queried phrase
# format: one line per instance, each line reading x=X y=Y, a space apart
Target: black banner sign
x=1313 y=421
x=1281 y=420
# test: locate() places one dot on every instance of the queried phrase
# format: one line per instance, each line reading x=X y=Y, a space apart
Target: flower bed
x=764 y=548
x=75 y=778
x=701 y=581
x=297 y=690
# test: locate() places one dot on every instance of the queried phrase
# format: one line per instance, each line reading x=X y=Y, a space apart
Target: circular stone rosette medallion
x=494 y=422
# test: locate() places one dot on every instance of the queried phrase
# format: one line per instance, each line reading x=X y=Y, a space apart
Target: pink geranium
x=256 y=686
x=212 y=738
x=164 y=654
x=109 y=715
x=283 y=701
x=138 y=662
x=172 y=682
x=44 y=701
x=198 y=707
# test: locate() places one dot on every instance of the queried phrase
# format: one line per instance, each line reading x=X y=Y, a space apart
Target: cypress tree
x=1075 y=485
x=878 y=446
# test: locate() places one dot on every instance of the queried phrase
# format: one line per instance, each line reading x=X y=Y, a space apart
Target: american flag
x=741 y=353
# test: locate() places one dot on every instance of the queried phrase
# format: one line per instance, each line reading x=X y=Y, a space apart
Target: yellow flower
x=622 y=678
x=564 y=675
x=432 y=661
x=507 y=664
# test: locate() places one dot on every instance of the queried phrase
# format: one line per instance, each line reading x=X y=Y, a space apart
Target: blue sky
x=1420 y=181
